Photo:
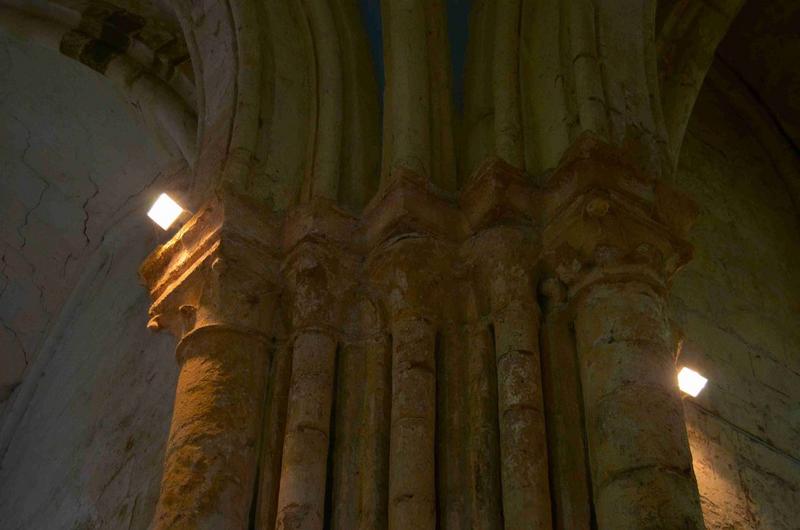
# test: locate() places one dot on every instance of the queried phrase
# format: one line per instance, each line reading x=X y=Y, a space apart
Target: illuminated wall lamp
x=690 y=382
x=165 y=211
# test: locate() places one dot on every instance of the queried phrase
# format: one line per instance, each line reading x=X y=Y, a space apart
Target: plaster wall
x=87 y=453
x=85 y=390
x=74 y=159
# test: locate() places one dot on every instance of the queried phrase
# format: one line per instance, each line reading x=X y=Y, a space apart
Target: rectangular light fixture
x=691 y=382
x=164 y=211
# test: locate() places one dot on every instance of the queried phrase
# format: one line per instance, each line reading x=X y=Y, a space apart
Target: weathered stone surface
x=475 y=349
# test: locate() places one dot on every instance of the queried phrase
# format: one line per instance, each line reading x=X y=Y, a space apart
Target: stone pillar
x=408 y=271
x=638 y=448
x=509 y=256
x=483 y=455
x=412 y=483
x=500 y=205
x=569 y=471
x=374 y=435
x=301 y=501
x=213 y=290
x=211 y=456
x=613 y=236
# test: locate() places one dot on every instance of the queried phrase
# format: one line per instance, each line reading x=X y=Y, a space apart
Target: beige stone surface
x=476 y=331
x=737 y=304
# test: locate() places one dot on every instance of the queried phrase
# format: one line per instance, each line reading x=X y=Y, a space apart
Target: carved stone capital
x=412 y=272
x=317 y=277
x=505 y=258
x=604 y=218
x=220 y=269
x=408 y=232
x=318 y=269
x=410 y=204
x=320 y=220
x=498 y=193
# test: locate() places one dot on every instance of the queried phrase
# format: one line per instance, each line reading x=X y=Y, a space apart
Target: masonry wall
x=738 y=304
x=87 y=453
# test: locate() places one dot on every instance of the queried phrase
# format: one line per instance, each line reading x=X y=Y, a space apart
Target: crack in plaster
x=45 y=187
x=127 y=200
x=17 y=339
x=66 y=264
x=86 y=211
x=5 y=276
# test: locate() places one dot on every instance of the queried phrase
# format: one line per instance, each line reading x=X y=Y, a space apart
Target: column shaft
x=451 y=428
x=483 y=438
x=412 y=481
x=272 y=434
x=374 y=448
x=523 y=439
x=301 y=500
x=641 y=466
x=211 y=456
x=345 y=482
x=567 y=454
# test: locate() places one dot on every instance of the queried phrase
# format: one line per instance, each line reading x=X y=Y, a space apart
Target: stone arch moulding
x=688 y=34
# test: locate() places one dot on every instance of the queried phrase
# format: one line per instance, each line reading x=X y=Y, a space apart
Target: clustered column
x=594 y=382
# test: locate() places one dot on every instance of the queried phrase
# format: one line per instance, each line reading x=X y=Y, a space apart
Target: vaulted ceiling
x=762 y=48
